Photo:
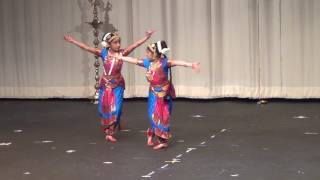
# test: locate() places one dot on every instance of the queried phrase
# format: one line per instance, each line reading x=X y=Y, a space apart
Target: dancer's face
x=115 y=45
x=149 y=54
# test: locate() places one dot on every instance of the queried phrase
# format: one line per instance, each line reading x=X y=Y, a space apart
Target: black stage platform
x=214 y=139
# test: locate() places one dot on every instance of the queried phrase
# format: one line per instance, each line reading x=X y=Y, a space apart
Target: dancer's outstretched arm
x=194 y=65
x=82 y=45
x=131 y=60
x=138 y=43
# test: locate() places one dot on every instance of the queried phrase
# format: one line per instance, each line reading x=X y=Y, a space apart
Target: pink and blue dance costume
x=111 y=91
x=112 y=84
x=161 y=92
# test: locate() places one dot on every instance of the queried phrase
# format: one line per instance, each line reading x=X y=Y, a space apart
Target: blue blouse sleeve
x=104 y=53
x=165 y=65
x=165 y=62
x=146 y=62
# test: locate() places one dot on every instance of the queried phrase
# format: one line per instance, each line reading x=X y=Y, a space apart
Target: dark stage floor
x=220 y=139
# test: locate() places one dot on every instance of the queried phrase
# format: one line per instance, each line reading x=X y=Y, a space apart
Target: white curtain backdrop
x=247 y=48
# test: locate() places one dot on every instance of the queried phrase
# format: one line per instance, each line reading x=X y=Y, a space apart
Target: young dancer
x=161 y=90
x=112 y=84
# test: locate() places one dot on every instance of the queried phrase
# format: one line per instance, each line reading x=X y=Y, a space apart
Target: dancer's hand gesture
x=196 y=66
x=69 y=38
x=149 y=33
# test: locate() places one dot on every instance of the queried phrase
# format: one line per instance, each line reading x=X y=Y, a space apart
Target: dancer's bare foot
x=160 y=146
x=111 y=138
x=150 y=142
x=157 y=142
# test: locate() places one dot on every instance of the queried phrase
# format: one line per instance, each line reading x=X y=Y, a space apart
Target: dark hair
x=161 y=48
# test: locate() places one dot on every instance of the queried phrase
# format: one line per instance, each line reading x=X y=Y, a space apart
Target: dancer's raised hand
x=149 y=33
x=196 y=66
x=69 y=38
